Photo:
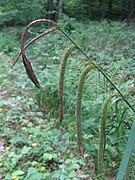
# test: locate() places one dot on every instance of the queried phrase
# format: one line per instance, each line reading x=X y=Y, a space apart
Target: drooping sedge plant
x=102 y=131
x=28 y=66
x=61 y=79
x=100 y=70
x=131 y=139
x=31 y=75
x=79 y=106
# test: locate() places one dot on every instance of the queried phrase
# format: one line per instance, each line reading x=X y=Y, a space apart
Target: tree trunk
x=50 y=9
x=131 y=11
x=123 y=9
x=102 y=9
x=110 y=8
x=60 y=9
x=50 y=5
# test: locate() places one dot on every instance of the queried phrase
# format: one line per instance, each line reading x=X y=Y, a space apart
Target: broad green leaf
x=68 y=161
x=48 y=156
x=19 y=172
x=17 y=139
x=56 y=174
x=82 y=162
x=32 y=171
x=84 y=176
x=48 y=148
x=62 y=166
x=74 y=166
x=72 y=174
x=25 y=150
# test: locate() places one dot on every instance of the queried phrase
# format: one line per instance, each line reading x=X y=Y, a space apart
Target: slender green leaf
x=127 y=154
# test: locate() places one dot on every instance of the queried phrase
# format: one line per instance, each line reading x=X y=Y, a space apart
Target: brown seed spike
x=26 y=62
x=30 y=71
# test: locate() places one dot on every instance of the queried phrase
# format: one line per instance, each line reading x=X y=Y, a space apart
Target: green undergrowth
x=34 y=146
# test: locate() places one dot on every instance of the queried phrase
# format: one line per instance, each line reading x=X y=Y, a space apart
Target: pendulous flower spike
x=79 y=106
x=61 y=79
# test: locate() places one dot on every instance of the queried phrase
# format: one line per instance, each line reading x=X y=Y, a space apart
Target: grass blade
x=102 y=130
x=127 y=154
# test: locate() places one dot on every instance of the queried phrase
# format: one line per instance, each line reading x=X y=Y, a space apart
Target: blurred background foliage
x=18 y=12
